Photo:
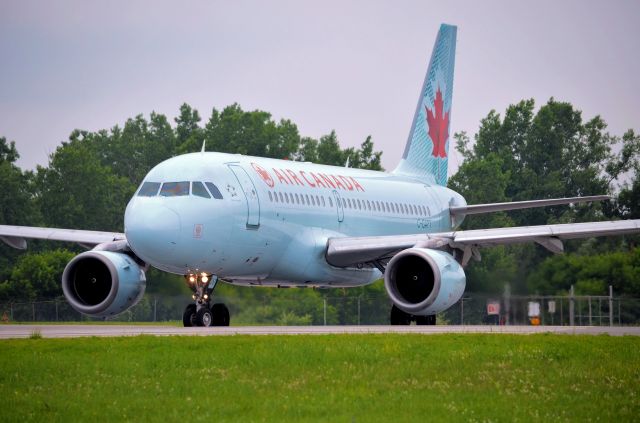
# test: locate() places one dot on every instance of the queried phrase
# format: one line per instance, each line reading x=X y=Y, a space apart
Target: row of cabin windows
x=348 y=203
x=304 y=199
x=176 y=189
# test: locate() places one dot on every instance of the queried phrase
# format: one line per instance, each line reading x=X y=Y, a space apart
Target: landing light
x=192 y=278
x=205 y=279
x=206 y=297
x=193 y=296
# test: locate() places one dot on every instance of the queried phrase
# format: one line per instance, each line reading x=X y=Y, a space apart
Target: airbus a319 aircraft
x=263 y=222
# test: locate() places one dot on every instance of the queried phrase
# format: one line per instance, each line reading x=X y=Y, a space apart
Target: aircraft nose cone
x=153 y=232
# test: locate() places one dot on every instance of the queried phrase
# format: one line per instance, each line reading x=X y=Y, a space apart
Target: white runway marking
x=75 y=331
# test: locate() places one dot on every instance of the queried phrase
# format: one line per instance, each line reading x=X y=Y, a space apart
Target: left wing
x=16 y=236
x=377 y=250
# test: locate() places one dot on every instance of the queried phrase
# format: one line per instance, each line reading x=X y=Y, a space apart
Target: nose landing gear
x=201 y=312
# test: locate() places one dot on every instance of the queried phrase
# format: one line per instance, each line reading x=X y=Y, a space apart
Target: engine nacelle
x=421 y=281
x=103 y=283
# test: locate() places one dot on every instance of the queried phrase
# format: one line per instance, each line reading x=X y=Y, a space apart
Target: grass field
x=333 y=378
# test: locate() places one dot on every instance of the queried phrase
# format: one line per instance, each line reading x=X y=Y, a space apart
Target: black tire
x=189 y=316
x=426 y=320
x=399 y=317
x=204 y=317
x=220 y=315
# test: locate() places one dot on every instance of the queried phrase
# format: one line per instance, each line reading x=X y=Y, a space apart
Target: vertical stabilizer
x=427 y=151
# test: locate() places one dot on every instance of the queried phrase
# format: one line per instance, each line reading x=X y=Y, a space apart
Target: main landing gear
x=201 y=312
x=399 y=317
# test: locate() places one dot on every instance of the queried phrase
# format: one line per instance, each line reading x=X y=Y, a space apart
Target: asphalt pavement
x=82 y=330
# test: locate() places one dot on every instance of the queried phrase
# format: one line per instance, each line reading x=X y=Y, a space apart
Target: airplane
x=264 y=222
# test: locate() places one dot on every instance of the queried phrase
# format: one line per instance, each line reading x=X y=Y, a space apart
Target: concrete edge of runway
x=9 y=331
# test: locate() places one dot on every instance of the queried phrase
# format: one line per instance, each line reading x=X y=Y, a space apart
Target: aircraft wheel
x=204 y=317
x=426 y=320
x=220 y=315
x=189 y=316
x=399 y=317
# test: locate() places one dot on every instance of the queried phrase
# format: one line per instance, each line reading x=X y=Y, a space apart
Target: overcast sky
x=355 y=67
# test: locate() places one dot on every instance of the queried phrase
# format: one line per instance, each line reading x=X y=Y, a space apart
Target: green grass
x=334 y=378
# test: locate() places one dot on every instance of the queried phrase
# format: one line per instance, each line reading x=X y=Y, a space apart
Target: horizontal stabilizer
x=517 y=205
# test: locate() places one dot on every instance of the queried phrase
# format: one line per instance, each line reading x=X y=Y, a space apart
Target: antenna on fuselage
x=203 y=144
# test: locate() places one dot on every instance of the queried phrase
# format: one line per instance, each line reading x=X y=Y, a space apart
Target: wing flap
x=16 y=236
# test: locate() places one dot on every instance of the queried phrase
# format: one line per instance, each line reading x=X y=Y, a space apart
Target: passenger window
x=359 y=208
x=275 y=196
x=270 y=196
x=149 y=189
x=313 y=201
x=199 y=190
x=330 y=202
x=214 y=190
x=344 y=203
x=297 y=199
x=174 y=189
x=323 y=204
x=281 y=197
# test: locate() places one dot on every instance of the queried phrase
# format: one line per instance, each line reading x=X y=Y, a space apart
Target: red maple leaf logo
x=438 y=126
x=264 y=175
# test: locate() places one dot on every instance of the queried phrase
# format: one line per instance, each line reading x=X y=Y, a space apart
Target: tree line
x=91 y=176
x=525 y=154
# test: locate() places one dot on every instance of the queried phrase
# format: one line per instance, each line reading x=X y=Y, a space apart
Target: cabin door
x=339 y=208
x=251 y=195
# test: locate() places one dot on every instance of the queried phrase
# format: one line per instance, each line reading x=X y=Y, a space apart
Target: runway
x=76 y=331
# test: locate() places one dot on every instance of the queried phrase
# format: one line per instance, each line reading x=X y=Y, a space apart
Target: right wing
x=16 y=236
x=518 y=205
x=377 y=250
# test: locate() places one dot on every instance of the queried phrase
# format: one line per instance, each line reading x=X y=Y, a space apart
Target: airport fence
x=472 y=309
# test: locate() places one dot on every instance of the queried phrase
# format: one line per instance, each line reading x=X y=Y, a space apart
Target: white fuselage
x=274 y=219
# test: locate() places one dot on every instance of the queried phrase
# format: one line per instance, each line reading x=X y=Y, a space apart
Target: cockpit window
x=198 y=189
x=214 y=190
x=173 y=189
x=149 y=189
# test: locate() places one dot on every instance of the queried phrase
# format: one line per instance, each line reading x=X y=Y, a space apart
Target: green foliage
x=187 y=130
x=590 y=275
x=342 y=378
x=531 y=155
x=77 y=191
x=36 y=276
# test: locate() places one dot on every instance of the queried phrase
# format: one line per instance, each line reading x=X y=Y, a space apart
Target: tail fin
x=427 y=149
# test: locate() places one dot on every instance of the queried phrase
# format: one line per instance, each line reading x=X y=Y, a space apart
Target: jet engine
x=421 y=281
x=103 y=283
